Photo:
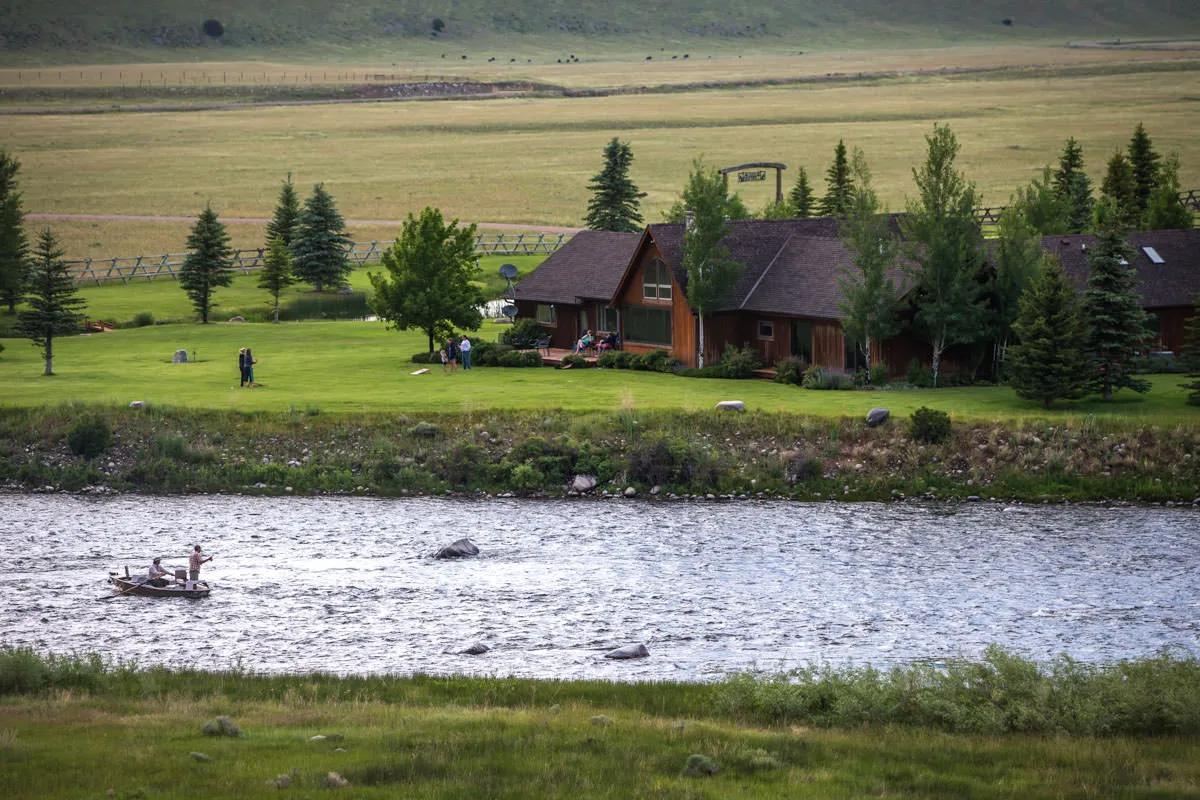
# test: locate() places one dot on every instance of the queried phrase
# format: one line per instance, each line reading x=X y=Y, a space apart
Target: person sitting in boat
x=155 y=574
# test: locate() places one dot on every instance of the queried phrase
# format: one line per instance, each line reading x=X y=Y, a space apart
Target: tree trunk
x=429 y=332
x=277 y=308
x=939 y=344
x=867 y=348
x=700 y=355
x=49 y=356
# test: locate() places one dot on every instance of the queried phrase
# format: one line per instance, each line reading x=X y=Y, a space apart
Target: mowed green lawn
x=363 y=366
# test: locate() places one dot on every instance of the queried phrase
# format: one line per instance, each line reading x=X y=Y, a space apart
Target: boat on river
x=143 y=587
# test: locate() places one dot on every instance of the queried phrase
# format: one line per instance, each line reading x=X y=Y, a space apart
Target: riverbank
x=629 y=453
x=77 y=727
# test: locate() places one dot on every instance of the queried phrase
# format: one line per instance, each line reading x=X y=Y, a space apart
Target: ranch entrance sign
x=755 y=172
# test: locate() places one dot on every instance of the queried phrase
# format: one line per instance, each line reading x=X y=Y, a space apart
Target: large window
x=648 y=325
x=545 y=315
x=656 y=282
x=606 y=318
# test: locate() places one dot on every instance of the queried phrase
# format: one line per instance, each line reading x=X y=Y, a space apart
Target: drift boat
x=143 y=587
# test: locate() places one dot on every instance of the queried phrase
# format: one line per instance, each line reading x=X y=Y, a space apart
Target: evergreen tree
x=1118 y=189
x=1018 y=259
x=1074 y=187
x=801 y=196
x=1113 y=309
x=1144 y=163
x=1166 y=211
x=276 y=274
x=1048 y=361
x=947 y=247
x=209 y=262
x=870 y=305
x=1041 y=207
x=54 y=305
x=614 y=203
x=1189 y=356
x=320 y=244
x=711 y=273
x=14 y=249
x=287 y=215
x=429 y=281
x=838 y=184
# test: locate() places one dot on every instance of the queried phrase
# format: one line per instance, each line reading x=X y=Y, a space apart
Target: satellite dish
x=508 y=271
x=509 y=311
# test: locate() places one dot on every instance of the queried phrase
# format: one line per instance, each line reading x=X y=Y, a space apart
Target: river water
x=349 y=585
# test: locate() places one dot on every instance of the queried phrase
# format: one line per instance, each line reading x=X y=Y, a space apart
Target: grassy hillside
x=172 y=25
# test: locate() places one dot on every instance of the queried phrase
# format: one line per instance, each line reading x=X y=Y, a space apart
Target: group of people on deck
x=590 y=342
x=157 y=574
x=454 y=351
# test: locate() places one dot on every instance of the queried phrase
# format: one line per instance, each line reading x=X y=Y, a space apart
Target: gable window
x=545 y=315
x=647 y=325
x=656 y=281
x=766 y=330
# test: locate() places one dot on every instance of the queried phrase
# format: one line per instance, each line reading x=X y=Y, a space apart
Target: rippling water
x=349 y=585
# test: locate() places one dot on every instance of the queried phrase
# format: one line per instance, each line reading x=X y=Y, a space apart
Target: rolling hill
x=177 y=28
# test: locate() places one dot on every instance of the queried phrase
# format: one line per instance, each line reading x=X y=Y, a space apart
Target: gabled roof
x=588 y=267
x=1175 y=282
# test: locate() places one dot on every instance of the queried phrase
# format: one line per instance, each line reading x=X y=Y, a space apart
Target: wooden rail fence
x=990 y=215
x=167 y=265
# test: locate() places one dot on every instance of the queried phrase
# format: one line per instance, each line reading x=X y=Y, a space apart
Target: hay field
x=528 y=160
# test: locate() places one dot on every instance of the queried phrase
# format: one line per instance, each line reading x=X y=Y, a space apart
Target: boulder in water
x=460 y=549
x=477 y=649
x=628 y=651
x=877 y=416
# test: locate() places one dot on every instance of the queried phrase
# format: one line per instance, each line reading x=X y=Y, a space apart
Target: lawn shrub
x=426 y=358
x=523 y=334
x=879 y=375
x=670 y=461
x=488 y=354
x=739 y=362
x=929 y=426
x=520 y=358
x=919 y=375
x=574 y=362
x=89 y=437
x=816 y=377
x=653 y=361
x=616 y=359
x=790 y=370
x=143 y=319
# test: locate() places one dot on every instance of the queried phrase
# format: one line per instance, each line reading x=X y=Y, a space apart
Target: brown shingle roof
x=1176 y=282
x=588 y=267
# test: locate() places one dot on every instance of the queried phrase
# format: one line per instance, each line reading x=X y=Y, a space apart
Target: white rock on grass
x=731 y=405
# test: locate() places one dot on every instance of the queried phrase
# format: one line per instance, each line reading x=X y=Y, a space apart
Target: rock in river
x=460 y=549
x=877 y=416
x=477 y=649
x=629 y=651
x=583 y=483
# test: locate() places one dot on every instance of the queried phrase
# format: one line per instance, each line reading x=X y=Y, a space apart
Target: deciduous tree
x=1018 y=259
x=838 y=184
x=870 y=305
x=614 y=203
x=1041 y=207
x=320 y=245
x=428 y=280
x=1113 y=310
x=209 y=262
x=1048 y=361
x=711 y=273
x=801 y=196
x=276 y=274
x=287 y=214
x=54 y=307
x=946 y=246
x=14 y=248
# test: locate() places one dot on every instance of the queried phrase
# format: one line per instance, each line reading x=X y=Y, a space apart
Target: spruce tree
x=614 y=203
x=320 y=245
x=1113 y=309
x=14 y=248
x=1018 y=259
x=838 y=184
x=1166 y=211
x=209 y=262
x=1048 y=363
x=276 y=274
x=801 y=196
x=1074 y=187
x=287 y=215
x=1144 y=163
x=54 y=305
x=1118 y=189
x=1189 y=356
x=870 y=306
x=946 y=246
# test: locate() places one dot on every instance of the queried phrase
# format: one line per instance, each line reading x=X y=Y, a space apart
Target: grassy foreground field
x=362 y=366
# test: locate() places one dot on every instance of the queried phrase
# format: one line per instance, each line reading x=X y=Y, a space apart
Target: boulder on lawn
x=877 y=416
x=460 y=549
x=238 y=318
x=221 y=726
x=583 y=483
x=628 y=651
x=731 y=405
x=137 y=404
x=698 y=766
x=180 y=357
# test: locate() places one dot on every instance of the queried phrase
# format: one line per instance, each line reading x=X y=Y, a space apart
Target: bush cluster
x=574 y=361
x=919 y=375
x=791 y=370
x=143 y=319
x=519 y=358
x=524 y=333
x=653 y=361
x=929 y=426
x=667 y=461
x=89 y=437
x=816 y=377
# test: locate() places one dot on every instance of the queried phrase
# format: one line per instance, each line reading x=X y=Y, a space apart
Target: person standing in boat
x=156 y=574
x=194 y=561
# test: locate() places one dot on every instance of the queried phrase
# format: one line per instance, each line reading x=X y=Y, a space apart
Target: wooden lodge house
x=787 y=300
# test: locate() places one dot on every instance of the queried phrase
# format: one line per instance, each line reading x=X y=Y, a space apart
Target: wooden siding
x=683 y=324
x=1170 y=327
x=829 y=345
x=566 y=330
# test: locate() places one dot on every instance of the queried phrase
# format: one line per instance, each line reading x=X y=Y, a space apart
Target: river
x=349 y=584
